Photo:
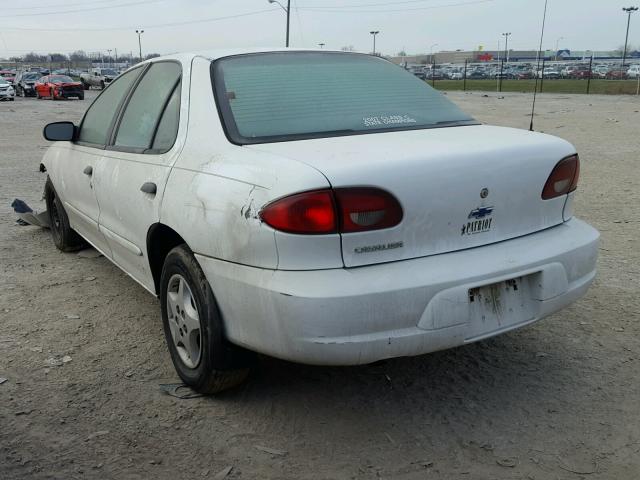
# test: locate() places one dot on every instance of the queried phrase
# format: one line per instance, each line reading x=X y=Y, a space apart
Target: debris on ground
x=272 y=451
x=172 y=390
x=27 y=216
x=57 y=361
x=507 y=462
x=2 y=380
x=99 y=433
x=223 y=473
x=71 y=316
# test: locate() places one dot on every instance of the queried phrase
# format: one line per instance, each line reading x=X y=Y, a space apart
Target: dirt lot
x=558 y=400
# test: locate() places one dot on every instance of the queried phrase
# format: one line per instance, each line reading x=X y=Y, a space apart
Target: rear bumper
x=361 y=315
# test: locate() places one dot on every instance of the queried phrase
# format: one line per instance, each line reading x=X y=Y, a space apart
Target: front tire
x=193 y=327
x=64 y=237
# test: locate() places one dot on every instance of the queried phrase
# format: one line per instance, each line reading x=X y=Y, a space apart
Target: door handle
x=88 y=170
x=149 y=187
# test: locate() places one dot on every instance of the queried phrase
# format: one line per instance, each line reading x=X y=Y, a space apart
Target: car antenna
x=535 y=89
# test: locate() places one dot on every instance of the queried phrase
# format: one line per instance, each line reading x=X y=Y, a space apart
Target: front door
x=78 y=167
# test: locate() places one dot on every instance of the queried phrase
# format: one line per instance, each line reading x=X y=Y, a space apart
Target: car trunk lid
x=459 y=187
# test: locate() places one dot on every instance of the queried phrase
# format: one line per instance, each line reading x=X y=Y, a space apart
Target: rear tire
x=101 y=85
x=64 y=237
x=194 y=330
x=85 y=86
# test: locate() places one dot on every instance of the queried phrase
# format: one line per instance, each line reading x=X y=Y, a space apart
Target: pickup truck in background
x=98 y=77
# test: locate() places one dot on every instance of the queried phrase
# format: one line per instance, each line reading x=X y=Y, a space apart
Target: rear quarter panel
x=216 y=190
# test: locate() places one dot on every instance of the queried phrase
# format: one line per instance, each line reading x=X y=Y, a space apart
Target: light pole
x=321 y=45
x=629 y=11
x=557 y=46
x=374 y=33
x=140 y=32
x=287 y=10
x=109 y=50
x=506 y=36
x=431 y=55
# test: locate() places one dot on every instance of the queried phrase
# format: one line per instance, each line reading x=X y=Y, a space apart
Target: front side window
x=142 y=114
x=97 y=121
x=288 y=96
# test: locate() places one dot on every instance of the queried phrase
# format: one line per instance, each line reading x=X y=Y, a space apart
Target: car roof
x=215 y=54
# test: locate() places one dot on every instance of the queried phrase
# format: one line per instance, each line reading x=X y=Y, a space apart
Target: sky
x=411 y=25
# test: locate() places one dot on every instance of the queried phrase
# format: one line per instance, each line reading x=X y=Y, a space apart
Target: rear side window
x=97 y=121
x=283 y=96
x=168 y=127
x=147 y=104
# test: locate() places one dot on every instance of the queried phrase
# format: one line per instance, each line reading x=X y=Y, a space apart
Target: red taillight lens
x=363 y=209
x=343 y=210
x=304 y=213
x=563 y=178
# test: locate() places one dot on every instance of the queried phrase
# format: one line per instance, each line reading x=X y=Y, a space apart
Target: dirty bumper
x=361 y=315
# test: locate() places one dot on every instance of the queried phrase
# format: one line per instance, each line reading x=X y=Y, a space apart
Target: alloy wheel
x=184 y=321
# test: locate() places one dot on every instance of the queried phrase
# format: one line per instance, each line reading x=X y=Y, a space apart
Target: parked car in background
x=601 y=71
x=549 y=73
x=387 y=223
x=8 y=75
x=580 y=73
x=431 y=74
x=98 y=77
x=634 y=71
x=6 y=90
x=57 y=87
x=618 y=73
x=418 y=71
x=25 y=83
x=476 y=75
x=523 y=74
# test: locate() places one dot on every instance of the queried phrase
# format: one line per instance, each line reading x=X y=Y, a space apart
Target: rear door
x=75 y=168
x=136 y=165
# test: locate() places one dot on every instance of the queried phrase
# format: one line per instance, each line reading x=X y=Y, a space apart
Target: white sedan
x=6 y=90
x=321 y=207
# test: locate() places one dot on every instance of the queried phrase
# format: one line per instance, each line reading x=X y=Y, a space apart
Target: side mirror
x=60 y=131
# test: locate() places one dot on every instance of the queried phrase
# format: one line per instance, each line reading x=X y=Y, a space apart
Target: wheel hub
x=184 y=321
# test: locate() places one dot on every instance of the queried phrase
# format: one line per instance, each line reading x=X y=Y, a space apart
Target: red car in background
x=58 y=86
x=617 y=74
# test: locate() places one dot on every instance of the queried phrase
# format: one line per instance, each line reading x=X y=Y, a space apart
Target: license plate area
x=499 y=306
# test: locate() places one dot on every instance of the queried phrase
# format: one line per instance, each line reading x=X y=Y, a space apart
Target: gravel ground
x=557 y=400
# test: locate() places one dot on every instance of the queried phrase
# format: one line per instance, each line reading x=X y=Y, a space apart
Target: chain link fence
x=590 y=76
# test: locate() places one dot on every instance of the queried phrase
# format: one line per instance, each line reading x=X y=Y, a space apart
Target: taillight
x=304 y=213
x=365 y=208
x=343 y=210
x=563 y=178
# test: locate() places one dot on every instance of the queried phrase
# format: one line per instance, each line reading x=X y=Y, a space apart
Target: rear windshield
x=281 y=96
